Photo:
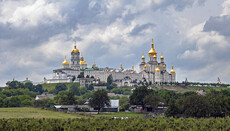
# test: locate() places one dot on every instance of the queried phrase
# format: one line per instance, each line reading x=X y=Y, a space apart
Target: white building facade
x=151 y=71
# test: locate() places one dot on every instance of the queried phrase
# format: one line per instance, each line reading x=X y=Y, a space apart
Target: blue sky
x=36 y=35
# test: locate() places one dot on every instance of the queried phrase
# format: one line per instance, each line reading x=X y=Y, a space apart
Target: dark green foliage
x=90 y=87
x=73 y=79
x=99 y=100
x=14 y=85
x=66 y=99
x=14 y=102
x=172 y=109
x=110 y=79
x=131 y=124
x=195 y=106
x=137 y=98
x=219 y=105
x=1 y=102
x=152 y=100
x=46 y=103
x=81 y=75
x=60 y=87
x=168 y=95
x=74 y=89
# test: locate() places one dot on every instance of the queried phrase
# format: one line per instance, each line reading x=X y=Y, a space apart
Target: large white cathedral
x=151 y=71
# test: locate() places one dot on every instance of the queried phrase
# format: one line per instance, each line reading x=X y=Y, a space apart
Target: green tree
x=81 y=75
x=195 y=106
x=73 y=79
x=60 y=87
x=219 y=105
x=1 y=102
x=110 y=79
x=152 y=100
x=137 y=98
x=15 y=85
x=14 y=102
x=99 y=100
x=74 y=89
x=172 y=109
x=124 y=103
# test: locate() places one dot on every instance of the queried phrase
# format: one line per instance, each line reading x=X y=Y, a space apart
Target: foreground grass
x=132 y=124
x=120 y=114
x=29 y=112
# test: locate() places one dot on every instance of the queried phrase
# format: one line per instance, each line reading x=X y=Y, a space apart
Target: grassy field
x=51 y=86
x=193 y=88
x=29 y=112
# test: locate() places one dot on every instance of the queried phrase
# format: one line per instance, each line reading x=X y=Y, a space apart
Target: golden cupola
x=152 y=50
x=143 y=57
x=157 y=69
x=162 y=57
x=75 y=50
x=132 y=67
x=164 y=66
x=154 y=56
x=65 y=62
x=145 y=66
x=93 y=64
x=172 y=71
x=82 y=62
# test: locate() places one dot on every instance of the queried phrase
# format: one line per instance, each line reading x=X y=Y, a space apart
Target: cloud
x=37 y=34
x=39 y=12
x=208 y=59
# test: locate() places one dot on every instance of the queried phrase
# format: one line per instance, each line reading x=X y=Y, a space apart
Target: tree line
x=188 y=104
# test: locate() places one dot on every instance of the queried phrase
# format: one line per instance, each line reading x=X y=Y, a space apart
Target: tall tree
x=172 y=109
x=110 y=79
x=152 y=100
x=99 y=100
x=81 y=75
x=137 y=98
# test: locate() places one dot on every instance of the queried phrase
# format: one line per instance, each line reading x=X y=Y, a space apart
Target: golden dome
x=145 y=66
x=152 y=50
x=157 y=69
x=93 y=63
x=82 y=62
x=81 y=57
x=121 y=65
x=65 y=62
x=75 y=50
x=154 y=56
x=143 y=57
x=172 y=71
x=164 y=66
x=162 y=57
x=132 y=67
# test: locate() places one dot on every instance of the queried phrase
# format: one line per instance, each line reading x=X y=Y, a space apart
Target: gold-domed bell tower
x=173 y=75
x=152 y=52
x=83 y=64
x=143 y=63
x=75 y=58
